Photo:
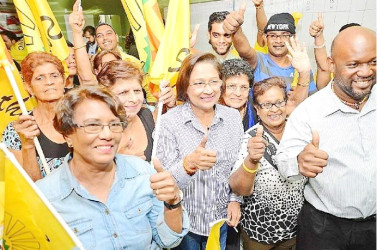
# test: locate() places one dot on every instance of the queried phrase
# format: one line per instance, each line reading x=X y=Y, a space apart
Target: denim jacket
x=132 y=218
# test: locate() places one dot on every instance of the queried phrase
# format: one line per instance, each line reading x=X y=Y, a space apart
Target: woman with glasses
x=43 y=76
x=238 y=78
x=198 y=144
x=110 y=201
x=271 y=204
x=124 y=79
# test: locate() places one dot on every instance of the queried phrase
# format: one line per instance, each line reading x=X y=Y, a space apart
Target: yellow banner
x=155 y=26
x=9 y=108
x=134 y=12
x=40 y=28
x=28 y=221
x=174 y=46
x=32 y=37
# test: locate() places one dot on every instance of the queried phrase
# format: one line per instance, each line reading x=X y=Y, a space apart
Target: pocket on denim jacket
x=137 y=216
x=83 y=228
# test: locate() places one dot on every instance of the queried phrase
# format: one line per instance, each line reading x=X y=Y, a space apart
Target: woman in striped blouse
x=198 y=144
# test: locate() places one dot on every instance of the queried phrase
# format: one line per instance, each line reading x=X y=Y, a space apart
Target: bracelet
x=303 y=84
x=319 y=46
x=258 y=7
x=188 y=170
x=75 y=48
x=251 y=171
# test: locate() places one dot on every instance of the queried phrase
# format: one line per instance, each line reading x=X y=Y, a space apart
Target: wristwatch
x=174 y=206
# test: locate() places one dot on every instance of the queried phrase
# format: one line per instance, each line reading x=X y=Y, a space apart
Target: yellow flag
x=174 y=46
x=9 y=108
x=134 y=12
x=213 y=242
x=30 y=222
x=154 y=24
x=40 y=28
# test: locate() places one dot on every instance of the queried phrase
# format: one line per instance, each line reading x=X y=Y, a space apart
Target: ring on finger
x=157 y=191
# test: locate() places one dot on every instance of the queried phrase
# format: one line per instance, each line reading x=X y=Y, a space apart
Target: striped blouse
x=206 y=193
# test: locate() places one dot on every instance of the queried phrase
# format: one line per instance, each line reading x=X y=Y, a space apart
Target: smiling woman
x=43 y=76
x=198 y=144
x=271 y=204
x=102 y=195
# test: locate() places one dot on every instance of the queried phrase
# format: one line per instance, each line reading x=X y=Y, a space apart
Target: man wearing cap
x=279 y=35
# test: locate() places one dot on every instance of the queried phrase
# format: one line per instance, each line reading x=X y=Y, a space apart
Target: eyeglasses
x=269 y=105
x=95 y=128
x=282 y=37
x=234 y=87
x=214 y=84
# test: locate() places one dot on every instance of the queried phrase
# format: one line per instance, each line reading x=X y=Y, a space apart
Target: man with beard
x=89 y=33
x=220 y=41
x=279 y=31
x=331 y=139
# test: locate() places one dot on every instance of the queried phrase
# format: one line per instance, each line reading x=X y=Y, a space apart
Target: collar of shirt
x=69 y=182
x=332 y=103
x=189 y=116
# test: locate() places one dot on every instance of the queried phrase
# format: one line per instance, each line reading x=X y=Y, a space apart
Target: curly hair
x=237 y=67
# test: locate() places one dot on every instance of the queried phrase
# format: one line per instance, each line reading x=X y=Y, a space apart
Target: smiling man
x=220 y=41
x=279 y=31
x=331 y=139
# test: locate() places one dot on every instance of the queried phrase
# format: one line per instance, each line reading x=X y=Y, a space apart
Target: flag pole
x=27 y=178
x=157 y=126
x=21 y=103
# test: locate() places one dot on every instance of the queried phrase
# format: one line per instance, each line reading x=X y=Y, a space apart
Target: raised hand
x=202 y=158
x=76 y=18
x=257 y=3
x=256 y=146
x=234 y=20
x=163 y=184
x=194 y=35
x=317 y=26
x=27 y=129
x=167 y=95
x=312 y=160
x=298 y=55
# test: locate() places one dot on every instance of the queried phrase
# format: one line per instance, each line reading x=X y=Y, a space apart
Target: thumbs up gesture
x=234 y=20
x=317 y=26
x=163 y=184
x=202 y=158
x=256 y=146
x=312 y=160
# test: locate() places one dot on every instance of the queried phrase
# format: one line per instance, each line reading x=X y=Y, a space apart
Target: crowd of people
x=249 y=134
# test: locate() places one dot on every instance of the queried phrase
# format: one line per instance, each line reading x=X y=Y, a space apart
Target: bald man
x=330 y=139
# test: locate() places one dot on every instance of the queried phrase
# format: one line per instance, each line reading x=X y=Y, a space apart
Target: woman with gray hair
x=239 y=79
x=110 y=201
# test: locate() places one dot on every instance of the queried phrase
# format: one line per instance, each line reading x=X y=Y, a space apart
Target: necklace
x=355 y=105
